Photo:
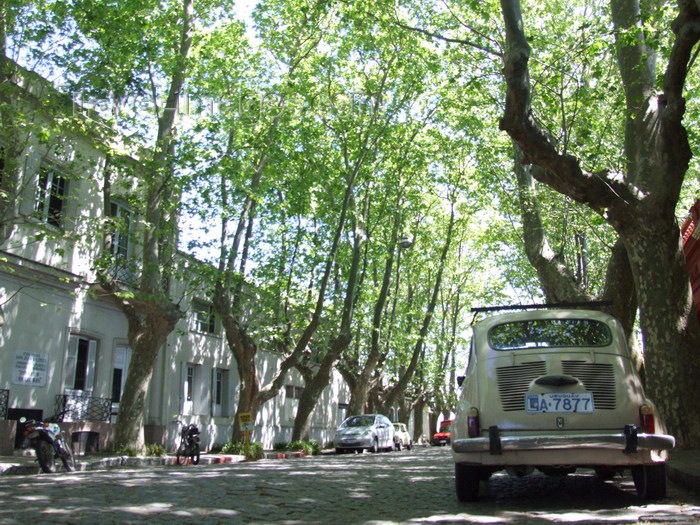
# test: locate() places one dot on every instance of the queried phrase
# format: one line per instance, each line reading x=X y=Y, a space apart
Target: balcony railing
x=4 y=398
x=82 y=407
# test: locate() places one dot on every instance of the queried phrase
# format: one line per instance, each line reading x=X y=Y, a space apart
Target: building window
x=291 y=404
x=121 y=358
x=80 y=363
x=189 y=382
x=52 y=191
x=219 y=386
x=219 y=392
x=293 y=392
x=195 y=398
x=204 y=320
x=120 y=236
x=79 y=377
x=117 y=385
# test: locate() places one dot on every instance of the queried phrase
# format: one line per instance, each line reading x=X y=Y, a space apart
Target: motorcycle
x=49 y=442
x=189 y=444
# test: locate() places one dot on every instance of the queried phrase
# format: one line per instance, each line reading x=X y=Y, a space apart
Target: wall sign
x=31 y=368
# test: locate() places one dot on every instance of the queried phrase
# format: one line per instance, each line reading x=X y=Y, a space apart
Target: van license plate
x=559 y=402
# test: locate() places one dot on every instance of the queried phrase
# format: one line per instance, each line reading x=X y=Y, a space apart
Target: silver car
x=555 y=389
x=365 y=432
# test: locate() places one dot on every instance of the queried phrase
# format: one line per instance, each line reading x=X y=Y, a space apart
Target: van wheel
x=467 y=482
x=650 y=480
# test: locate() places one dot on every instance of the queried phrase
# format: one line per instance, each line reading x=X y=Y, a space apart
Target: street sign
x=246 y=421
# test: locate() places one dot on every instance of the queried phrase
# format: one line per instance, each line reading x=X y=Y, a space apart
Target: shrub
x=123 y=450
x=155 y=449
x=301 y=446
x=311 y=447
x=255 y=450
x=315 y=447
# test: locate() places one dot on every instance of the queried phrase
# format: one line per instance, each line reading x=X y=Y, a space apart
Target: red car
x=442 y=437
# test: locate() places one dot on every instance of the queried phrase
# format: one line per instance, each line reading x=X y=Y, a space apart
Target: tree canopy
x=514 y=148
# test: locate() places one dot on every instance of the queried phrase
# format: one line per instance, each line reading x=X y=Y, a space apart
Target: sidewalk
x=682 y=468
x=26 y=465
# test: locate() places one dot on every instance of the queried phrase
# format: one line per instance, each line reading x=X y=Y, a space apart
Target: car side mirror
x=460 y=380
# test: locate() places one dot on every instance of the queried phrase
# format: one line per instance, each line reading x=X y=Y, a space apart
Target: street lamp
x=405 y=242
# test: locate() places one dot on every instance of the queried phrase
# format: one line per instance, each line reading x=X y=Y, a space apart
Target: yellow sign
x=246 y=421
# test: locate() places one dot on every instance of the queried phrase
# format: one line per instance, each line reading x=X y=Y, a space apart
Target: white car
x=402 y=439
x=365 y=432
x=555 y=389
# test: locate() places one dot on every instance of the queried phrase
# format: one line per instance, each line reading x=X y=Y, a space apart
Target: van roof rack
x=589 y=304
x=540 y=306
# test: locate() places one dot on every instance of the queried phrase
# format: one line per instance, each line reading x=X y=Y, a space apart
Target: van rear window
x=546 y=333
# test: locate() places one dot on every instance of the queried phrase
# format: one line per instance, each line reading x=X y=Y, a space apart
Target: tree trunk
x=418 y=410
x=397 y=391
x=432 y=424
x=319 y=380
x=361 y=382
x=671 y=338
x=151 y=315
x=149 y=326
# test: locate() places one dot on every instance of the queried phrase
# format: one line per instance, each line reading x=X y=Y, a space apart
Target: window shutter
x=183 y=386
x=90 y=376
x=69 y=365
x=212 y=392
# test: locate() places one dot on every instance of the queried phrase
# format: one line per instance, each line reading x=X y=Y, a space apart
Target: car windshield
x=359 y=421
x=544 y=333
x=445 y=426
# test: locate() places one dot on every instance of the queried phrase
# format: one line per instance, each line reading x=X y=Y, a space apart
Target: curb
x=30 y=466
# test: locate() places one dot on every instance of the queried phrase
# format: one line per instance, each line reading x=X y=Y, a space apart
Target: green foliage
x=156 y=449
x=255 y=450
x=123 y=450
x=310 y=448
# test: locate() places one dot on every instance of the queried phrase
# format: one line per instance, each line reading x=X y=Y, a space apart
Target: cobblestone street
x=411 y=486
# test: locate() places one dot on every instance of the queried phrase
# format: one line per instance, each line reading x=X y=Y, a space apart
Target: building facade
x=64 y=346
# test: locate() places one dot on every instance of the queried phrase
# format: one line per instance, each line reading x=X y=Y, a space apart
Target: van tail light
x=647 y=415
x=473 y=422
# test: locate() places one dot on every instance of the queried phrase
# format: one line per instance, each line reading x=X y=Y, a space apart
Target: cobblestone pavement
x=399 y=487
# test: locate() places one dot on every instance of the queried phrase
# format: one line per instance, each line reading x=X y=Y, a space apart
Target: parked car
x=442 y=436
x=365 y=432
x=402 y=438
x=555 y=389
